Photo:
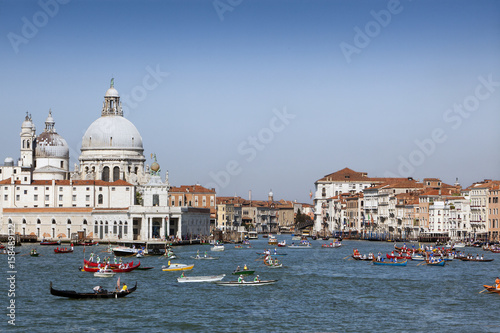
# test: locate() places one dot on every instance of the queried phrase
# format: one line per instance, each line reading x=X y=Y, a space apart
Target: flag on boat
x=118 y=284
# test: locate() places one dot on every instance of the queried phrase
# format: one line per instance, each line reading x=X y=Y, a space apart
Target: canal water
x=318 y=290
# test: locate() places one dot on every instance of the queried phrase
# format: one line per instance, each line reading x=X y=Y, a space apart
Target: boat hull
x=245 y=283
x=390 y=263
x=212 y=278
x=177 y=267
x=74 y=294
x=246 y=272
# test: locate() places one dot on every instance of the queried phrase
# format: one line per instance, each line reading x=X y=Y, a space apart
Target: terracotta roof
x=191 y=189
x=348 y=175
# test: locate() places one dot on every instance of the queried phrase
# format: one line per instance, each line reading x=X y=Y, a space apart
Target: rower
x=240 y=279
x=257 y=279
x=497 y=283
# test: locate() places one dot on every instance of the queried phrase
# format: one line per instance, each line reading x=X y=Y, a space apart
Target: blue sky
x=262 y=94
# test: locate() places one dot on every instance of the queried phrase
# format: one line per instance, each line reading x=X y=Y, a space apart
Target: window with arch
x=53 y=221
x=85 y=222
x=106 y=230
x=115 y=228
x=100 y=199
x=116 y=173
x=24 y=221
x=38 y=221
x=105 y=174
x=69 y=221
x=125 y=228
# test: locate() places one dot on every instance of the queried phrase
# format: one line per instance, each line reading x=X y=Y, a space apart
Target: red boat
x=94 y=264
x=50 y=243
x=116 y=270
x=58 y=250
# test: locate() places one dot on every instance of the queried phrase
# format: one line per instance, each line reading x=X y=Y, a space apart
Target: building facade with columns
x=111 y=195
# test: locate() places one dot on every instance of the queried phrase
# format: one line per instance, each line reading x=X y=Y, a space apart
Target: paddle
x=482 y=291
x=346 y=257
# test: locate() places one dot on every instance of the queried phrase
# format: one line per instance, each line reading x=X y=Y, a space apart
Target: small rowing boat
x=436 y=263
x=491 y=289
x=58 y=250
x=245 y=283
x=390 y=263
x=204 y=257
x=104 y=273
x=211 y=278
x=50 y=243
x=243 y=272
x=479 y=260
x=176 y=267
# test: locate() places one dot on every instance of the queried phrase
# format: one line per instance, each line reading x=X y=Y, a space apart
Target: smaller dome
x=112 y=92
x=49 y=119
x=9 y=161
x=51 y=145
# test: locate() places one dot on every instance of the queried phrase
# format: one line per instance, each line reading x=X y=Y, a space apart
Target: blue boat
x=390 y=263
x=436 y=263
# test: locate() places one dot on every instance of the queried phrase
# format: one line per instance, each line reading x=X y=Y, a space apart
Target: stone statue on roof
x=155 y=167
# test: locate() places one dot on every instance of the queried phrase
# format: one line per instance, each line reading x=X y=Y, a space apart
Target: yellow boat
x=176 y=267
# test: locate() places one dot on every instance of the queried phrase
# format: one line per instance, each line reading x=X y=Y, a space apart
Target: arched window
x=85 y=222
x=106 y=230
x=125 y=228
x=115 y=230
x=99 y=199
x=69 y=221
x=53 y=221
x=116 y=173
x=105 y=174
x=38 y=221
x=28 y=144
x=24 y=221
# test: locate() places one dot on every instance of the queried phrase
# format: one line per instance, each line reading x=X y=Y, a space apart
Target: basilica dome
x=112 y=132
x=49 y=143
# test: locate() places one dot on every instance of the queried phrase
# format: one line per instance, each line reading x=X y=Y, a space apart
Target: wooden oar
x=346 y=257
x=482 y=291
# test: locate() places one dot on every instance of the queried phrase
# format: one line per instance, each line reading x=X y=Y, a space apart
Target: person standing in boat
x=497 y=283
x=124 y=288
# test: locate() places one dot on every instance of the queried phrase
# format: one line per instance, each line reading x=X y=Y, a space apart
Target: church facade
x=110 y=196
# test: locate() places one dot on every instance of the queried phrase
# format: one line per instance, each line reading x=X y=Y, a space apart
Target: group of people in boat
x=33 y=252
x=245 y=268
x=242 y=280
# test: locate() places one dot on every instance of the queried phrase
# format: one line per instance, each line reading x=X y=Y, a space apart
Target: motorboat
x=176 y=267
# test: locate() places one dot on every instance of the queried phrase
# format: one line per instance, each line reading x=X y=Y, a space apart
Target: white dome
x=112 y=132
x=49 y=144
x=112 y=92
x=9 y=161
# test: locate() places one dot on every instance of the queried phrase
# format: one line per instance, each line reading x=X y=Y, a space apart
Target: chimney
x=250 y=195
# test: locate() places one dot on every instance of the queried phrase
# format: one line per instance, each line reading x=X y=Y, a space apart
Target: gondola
x=50 y=243
x=103 y=294
x=116 y=270
x=482 y=260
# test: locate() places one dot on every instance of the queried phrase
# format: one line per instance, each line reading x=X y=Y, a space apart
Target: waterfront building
x=110 y=196
x=345 y=181
x=493 y=214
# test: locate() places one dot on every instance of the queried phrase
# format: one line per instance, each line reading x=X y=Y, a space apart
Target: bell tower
x=28 y=141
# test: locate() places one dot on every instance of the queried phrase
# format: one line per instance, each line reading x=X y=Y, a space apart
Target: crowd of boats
x=399 y=256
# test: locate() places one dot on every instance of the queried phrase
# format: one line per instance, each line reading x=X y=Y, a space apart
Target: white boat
x=459 y=245
x=140 y=255
x=253 y=235
x=124 y=251
x=211 y=278
x=296 y=237
x=293 y=246
x=245 y=283
x=104 y=273
x=418 y=257
x=204 y=258
x=217 y=247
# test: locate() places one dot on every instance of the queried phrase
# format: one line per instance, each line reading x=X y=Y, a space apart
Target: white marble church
x=110 y=196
